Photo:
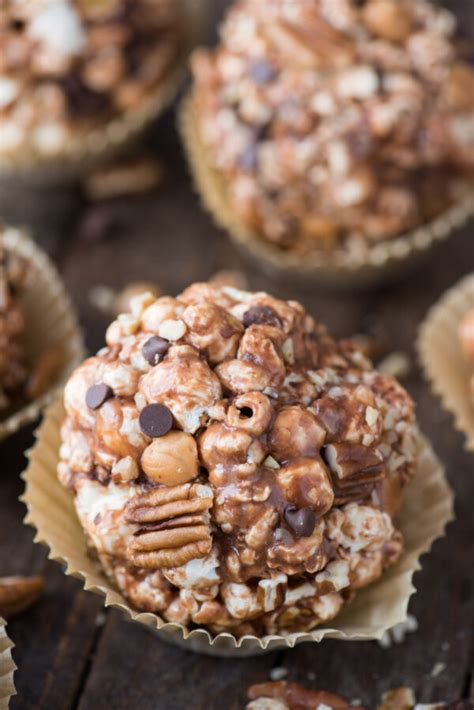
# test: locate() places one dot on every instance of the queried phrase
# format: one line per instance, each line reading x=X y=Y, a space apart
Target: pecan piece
x=353 y=462
x=173 y=525
x=17 y=594
x=355 y=470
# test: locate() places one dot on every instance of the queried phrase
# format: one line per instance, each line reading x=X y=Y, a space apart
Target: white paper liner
x=427 y=508
x=7 y=667
x=442 y=358
x=383 y=261
x=50 y=321
x=90 y=147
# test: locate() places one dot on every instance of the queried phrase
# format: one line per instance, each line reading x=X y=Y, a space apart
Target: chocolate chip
x=155 y=420
x=154 y=348
x=262 y=72
x=97 y=395
x=260 y=315
x=300 y=520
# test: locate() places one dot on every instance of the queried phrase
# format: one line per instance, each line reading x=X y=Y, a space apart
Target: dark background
x=71 y=652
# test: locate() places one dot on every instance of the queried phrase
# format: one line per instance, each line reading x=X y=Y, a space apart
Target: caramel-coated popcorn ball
x=234 y=466
x=72 y=65
x=336 y=124
x=13 y=270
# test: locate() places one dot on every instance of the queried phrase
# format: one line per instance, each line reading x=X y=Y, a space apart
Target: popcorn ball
x=67 y=66
x=336 y=124
x=13 y=271
x=232 y=465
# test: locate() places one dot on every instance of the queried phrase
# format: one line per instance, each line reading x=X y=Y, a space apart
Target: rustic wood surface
x=71 y=652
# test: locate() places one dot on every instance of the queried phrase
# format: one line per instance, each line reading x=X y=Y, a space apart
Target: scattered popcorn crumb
x=270 y=462
x=100 y=619
x=437 y=669
x=445 y=646
x=278 y=673
x=396 y=364
x=103 y=298
x=398 y=632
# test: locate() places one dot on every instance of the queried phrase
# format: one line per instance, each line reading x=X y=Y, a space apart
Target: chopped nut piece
x=136 y=288
x=17 y=594
x=172 y=330
x=354 y=461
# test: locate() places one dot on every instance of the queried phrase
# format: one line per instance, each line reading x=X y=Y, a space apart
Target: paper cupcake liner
x=50 y=322
x=442 y=358
x=382 y=262
x=426 y=510
x=7 y=667
x=90 y=147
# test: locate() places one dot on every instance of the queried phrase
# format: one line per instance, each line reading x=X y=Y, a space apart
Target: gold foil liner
x=7 y=667
x=426 y=509
x=50 y=322
x=383 y=261
x=442 y=358
x=91 y=147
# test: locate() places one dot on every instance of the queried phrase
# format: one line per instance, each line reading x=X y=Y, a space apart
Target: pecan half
x=351 y=494
x=174 y=526
x=18 y=593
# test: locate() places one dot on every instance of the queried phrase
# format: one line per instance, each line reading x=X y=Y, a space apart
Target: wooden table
x=72 y=653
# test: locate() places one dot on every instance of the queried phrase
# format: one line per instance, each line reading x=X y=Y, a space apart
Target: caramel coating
x=270 y=499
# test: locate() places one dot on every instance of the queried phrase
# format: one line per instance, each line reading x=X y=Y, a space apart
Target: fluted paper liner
x=7 y=667
x=426 y=509
x=50 y=321
x=442 y=358
x=90 y=147
x=383 y=261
